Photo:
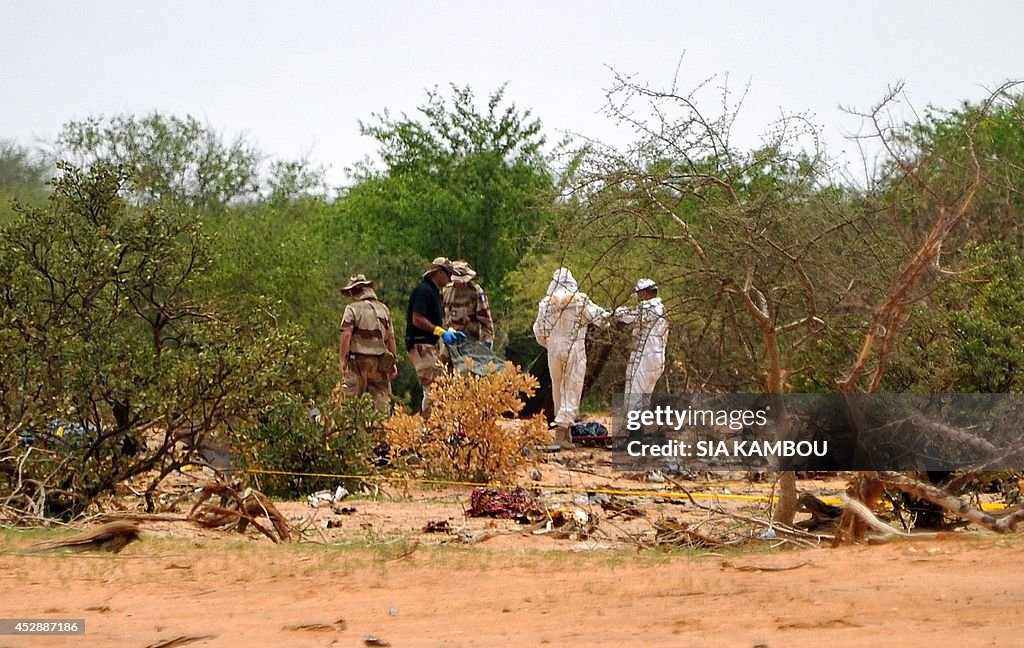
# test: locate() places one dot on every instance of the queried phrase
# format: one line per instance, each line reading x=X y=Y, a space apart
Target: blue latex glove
x=451 y=336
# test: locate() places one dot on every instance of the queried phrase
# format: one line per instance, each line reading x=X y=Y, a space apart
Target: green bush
x=101 y=329
x=300 y=440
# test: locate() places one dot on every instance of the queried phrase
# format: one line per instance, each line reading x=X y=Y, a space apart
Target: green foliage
x=298 y=437
x=986 y=321
x=175 y=160
x=20 y=169
x=750 y=248
x=947 y=147
x=276 y=253
x=100 y=326
x=23 y=176
x=457 y=182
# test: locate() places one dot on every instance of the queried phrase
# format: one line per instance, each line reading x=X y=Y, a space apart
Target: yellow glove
x=450 y=336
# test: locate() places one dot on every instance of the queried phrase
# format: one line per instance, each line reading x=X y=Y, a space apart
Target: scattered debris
x=370 y=640
x=438 y=526
x=620 y=507
x=591 y=434
x=342 y=510
x=504 y=504
x=323 y=497
x=674 y=533
x=572 y=524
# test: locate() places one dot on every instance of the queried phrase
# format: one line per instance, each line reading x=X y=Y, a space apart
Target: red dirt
x=383 y=577
x=917 y=593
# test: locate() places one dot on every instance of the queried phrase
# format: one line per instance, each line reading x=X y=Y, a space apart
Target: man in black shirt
x=423 y=319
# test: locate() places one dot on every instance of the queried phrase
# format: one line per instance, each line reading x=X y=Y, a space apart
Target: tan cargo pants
x=425 y=360
x=365 y=374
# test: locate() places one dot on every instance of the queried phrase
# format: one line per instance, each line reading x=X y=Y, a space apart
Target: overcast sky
x=298 y=76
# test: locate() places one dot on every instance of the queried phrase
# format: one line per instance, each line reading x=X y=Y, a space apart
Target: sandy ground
x=497 y=583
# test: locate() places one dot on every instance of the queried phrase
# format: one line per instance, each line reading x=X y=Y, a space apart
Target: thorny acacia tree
x=931 y=191
x=102 y=336
x=763 y=259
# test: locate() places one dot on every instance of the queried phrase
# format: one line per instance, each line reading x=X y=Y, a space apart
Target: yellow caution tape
x=835 y=501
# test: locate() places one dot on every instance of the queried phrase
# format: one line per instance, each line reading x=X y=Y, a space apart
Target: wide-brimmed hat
x=440 y=262
x=462 y=272
x=356 y=282
x=644 y=284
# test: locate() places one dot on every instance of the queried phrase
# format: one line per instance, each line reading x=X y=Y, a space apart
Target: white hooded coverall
x=647 y=358
x=563 y=317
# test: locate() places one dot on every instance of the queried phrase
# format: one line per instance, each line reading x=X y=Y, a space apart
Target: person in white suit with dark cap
x=563 y=317
x=650 y=337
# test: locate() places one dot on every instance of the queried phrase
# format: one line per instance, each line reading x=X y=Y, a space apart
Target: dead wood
x=796 y=535
x=678 y=534
x=822 y=515
x=316 y=626
x=111 y=537
x=619 y=507
x=757 y=568
x=182 y=640
x=853 y=526
x=862 y=512
x=953 y=504
x=136 y=516
x=239 y=510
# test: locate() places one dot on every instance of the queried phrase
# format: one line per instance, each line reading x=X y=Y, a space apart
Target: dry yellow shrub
x=468 y=435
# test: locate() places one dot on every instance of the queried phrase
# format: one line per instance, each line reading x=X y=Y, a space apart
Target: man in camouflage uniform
x=465 y=305
x=366 y=355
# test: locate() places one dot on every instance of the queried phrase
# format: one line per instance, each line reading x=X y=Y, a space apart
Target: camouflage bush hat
x=357 y=281
x=463 y=272
x=440 y=262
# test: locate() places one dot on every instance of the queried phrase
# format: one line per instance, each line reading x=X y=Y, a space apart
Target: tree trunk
x=785 y=508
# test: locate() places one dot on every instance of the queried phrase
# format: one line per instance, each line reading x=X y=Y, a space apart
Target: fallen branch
x=864 y=513
x=671 y=532
x=755 y=568
x=796 y=534
x=182 y=640
x=239 y=510
x=111 y=537
x=954 y=505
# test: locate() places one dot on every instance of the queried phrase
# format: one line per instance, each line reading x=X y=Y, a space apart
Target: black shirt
x=426 y=300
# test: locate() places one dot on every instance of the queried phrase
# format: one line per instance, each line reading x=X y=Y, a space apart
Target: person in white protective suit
x=563 y=317
x=650 y=336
